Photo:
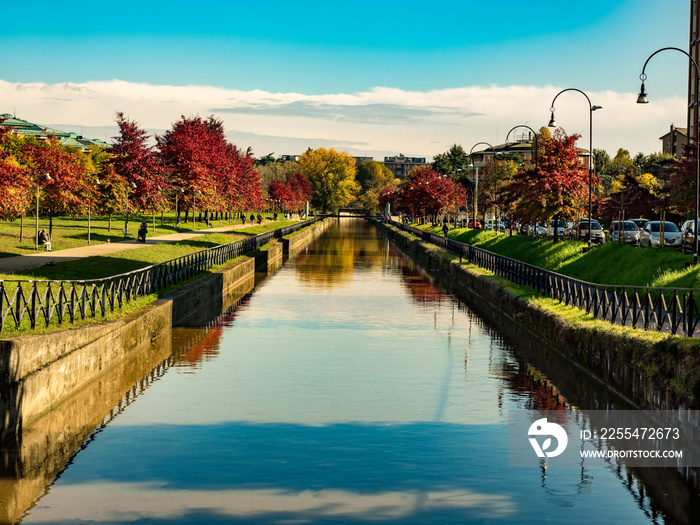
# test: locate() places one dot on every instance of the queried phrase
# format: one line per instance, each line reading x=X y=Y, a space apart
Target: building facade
x=401 y=166
x=675 y=141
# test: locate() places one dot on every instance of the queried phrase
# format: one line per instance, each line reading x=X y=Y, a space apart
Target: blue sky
x=266 y=52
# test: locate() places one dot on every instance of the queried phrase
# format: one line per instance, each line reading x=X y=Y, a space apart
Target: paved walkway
x=34 y=260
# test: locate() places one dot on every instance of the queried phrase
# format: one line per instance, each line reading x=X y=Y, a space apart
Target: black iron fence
x=37 y=303
x=669 y=310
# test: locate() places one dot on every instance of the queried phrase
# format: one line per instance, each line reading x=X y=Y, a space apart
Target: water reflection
x=348 y=392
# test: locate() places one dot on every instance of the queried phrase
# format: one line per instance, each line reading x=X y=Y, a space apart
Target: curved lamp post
x=476 y=173
x=533 y=132
x=643 y=99
x=553 y=124
x=97 y=183
x=39 y=178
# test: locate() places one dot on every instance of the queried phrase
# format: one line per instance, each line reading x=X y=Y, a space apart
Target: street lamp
x=46 y=177
x=194 y=206
x=178 y=191
x=97 y=183
x=533 y=132
x=476 y=174
x=643 y=99
x=553 y=124
x=131 y=186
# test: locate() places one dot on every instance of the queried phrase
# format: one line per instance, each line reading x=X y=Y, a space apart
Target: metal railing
x=42 y=302
x=668 y=310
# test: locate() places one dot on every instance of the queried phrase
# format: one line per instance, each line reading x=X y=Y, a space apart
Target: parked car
x=651 y=234
x=470 y=224
x=560 y=226
x=581 y=231
x=537 y=230
x=627 y=231
x=688 y=237
x=640 y=223
x=492 y=225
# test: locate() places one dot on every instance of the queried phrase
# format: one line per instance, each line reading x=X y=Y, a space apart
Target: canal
x=346 y=388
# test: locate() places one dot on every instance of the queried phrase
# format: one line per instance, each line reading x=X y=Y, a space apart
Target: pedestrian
x=142 y=231
x=260 y=218
x=252 y=218
x=445 y=228
x=242 y=218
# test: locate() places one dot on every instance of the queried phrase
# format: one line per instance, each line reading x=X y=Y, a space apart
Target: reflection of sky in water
x=357 y=403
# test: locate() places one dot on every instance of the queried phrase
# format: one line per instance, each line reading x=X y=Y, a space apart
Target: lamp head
x=552 y=124
x=642 y=98
x=593 y=108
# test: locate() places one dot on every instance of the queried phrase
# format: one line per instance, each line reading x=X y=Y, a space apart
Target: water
x=345 y=389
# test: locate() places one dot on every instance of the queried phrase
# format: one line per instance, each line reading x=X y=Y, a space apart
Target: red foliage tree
x=69 y=188
x=137 y=163
x=278 y=192
x=15 y=185
x=558 y=188
x=199 y=158
x=427 y=193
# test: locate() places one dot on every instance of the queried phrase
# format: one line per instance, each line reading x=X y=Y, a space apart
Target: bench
x=127 y=234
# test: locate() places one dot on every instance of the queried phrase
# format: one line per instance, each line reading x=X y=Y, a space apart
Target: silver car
x=627 y=231
x=651 y=234
x=597 y=235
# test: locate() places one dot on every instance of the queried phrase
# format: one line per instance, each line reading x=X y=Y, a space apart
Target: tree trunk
x=109 y=224
x=21 y=227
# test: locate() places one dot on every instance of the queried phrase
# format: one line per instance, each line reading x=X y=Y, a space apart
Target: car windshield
x=628 y=226
x=668 y=227
x=560 y=224
x=596 y=225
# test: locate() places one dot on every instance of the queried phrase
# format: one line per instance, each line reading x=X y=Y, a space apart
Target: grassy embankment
x=122 y=262
x=609 y=263
x=672 y=362
x=16 y=237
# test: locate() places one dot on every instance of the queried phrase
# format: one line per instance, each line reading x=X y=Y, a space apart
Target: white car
x=651 y=235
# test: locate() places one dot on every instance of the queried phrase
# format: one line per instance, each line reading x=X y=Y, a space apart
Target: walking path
x=34 y=260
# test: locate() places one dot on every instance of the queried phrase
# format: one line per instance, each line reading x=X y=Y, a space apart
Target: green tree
x=453 y=162
x=373 y=177
x=331 y=175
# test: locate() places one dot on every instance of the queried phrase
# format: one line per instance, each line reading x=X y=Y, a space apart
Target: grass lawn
x=609 y=263
x=117 y=263
x=72 y=232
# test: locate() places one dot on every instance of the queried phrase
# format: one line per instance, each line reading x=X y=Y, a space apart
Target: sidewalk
x=25 y=262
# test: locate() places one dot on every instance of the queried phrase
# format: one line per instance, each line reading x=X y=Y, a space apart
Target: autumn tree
x=427 y=193
x=557 y=188
x=70 y=186
x=138 y=165
x=197 y=158
x=331 y=175
x=15 y=185
x=373 y=177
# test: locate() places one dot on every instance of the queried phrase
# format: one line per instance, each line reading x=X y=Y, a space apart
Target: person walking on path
x=142 y=231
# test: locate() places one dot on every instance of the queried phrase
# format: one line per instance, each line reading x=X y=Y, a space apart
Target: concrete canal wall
x=39 y=371
x=650 y=373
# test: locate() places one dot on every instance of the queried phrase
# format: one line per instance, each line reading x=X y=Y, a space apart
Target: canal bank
x=651 y=371
x=39 y=371
x=346 y=388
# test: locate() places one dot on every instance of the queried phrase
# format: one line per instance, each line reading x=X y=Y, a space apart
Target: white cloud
x=380 y=121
